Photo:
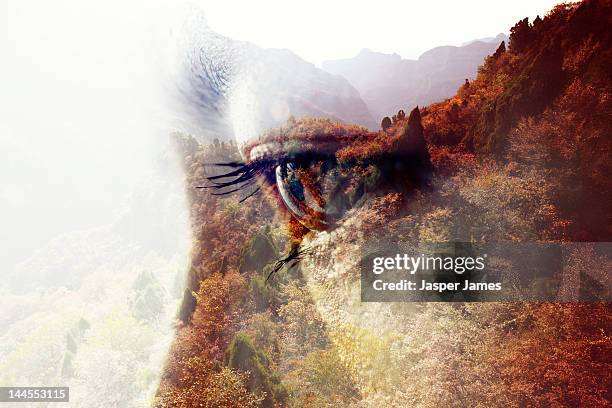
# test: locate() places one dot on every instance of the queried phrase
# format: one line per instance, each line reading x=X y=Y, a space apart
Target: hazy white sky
x=324 y=29
x=82 y=107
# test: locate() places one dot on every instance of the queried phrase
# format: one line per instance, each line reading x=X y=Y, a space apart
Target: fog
x=81 y=115
x=89 y=92
x=319 y=30
x=93 y=212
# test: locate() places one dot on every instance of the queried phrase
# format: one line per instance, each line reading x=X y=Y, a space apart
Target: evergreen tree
x=499 y=51
x=521 y=35
x=242 y=354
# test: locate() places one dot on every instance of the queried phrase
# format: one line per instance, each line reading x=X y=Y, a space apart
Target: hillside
x=519 y=155
x=545 y=100
x=387 y=82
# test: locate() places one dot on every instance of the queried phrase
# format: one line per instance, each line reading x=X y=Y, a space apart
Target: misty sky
x=322 y=29
x=84 y=109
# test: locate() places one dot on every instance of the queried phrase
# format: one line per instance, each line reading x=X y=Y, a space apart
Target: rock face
x=387 y=82
x=412 y=141
x=234 y=89
x=411 y=145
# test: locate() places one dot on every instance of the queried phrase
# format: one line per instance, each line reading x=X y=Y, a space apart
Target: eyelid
x=323 y=144
x=262 y=150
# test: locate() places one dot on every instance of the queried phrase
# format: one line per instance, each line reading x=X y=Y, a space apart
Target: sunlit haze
x=319 y=30
x=90 y=75
x=94 y=216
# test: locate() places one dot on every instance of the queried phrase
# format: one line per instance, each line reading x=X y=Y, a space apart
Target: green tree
x=243 y=355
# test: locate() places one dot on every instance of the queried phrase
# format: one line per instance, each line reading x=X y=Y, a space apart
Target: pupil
x=296 y=188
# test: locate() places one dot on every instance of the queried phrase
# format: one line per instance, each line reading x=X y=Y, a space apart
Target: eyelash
x=244 y=175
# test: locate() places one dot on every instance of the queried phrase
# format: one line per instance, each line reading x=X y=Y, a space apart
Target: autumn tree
x=521 y=35
x=500 y=50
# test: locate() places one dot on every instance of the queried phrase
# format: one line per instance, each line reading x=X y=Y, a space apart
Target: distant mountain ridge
x=546 y=100
x=387 y=83
x=497 y=39
x=235 y=89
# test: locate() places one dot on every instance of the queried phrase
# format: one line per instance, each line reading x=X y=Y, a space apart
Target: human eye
x=302 y=171
x=316 y=189
x=319 y=170
x=311 y=186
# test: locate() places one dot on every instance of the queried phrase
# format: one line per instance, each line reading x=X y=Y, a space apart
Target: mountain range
x=233 y=89
x=387 y=82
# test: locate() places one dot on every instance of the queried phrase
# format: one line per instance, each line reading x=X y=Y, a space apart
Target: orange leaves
x=193 y=375
x=372 y=144
x=559 y=356
x=449 y=160
x=202 y=384
x=219 y=305
x=569 y=145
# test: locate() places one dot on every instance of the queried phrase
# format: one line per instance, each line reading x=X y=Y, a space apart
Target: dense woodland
x=521 y=153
